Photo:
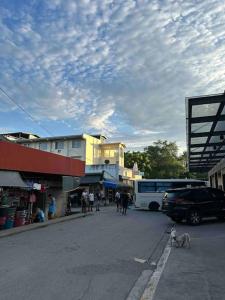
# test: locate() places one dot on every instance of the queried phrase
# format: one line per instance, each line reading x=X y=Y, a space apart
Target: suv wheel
x=194 y=217
x=153 y=206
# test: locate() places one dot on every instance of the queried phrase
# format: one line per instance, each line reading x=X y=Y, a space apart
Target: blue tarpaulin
x=109 y=184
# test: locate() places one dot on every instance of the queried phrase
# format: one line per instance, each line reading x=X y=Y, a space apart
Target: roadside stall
x=13 y=200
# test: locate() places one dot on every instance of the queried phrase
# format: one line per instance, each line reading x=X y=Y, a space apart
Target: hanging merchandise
x=10 y=217
x=5 y=199
x=32 y=198
x=3 y=216
x=37 y=186
x=43 y=188
x=20 y=218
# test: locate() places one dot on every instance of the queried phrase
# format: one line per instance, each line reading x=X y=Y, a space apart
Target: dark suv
x=192 y=204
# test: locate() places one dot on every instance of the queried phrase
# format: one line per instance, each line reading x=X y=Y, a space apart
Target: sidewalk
x=197 y=273
x=16 y=230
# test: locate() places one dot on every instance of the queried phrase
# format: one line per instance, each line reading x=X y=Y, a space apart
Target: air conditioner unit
x=59 y=151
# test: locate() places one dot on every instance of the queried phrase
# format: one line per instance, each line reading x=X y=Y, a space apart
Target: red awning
x=14 y=157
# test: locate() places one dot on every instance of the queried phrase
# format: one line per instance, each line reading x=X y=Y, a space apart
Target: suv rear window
x=177 y=194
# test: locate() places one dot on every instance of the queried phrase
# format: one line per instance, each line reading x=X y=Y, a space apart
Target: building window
x=106 y=153
x=109 y=153
x=43 y=146
x=59 y=145
x=146 y=187
x=76 y=144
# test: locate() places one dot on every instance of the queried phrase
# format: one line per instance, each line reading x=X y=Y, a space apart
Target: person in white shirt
x=84 y=201
x=91 y=200
x=118 y=201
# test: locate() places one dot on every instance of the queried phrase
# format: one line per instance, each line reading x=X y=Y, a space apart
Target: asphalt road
x=88 y=258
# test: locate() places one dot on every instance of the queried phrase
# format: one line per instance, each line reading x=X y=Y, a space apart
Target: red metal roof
x=19 y=158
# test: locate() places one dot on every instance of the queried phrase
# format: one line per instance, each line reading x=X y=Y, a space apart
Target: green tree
x=160 y=160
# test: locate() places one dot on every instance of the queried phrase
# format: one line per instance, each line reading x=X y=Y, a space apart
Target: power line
x=27 y=113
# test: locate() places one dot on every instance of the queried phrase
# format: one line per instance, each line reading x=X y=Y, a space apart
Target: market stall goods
x=3 y=215
x=20 y=218
x=10 y=217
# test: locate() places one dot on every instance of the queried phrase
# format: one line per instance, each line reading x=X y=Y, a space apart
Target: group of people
x=91 y=199
x=88 y=200
x=122 y=201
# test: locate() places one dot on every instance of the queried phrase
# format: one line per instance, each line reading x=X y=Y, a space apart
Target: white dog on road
x=180 y=241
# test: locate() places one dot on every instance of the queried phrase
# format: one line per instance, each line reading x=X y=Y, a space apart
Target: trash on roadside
x=140 y=260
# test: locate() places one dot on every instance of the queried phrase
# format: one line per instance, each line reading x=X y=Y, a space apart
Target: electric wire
x=27 y=113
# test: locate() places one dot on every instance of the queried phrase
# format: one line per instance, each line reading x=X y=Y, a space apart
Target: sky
x=121 y=68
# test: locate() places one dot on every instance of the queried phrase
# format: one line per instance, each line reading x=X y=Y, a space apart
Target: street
x=197 y=273
x=87 y=258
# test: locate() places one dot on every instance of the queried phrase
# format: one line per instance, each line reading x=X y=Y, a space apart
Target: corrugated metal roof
x=205 y=131
x=11 y=179
x=45 y=139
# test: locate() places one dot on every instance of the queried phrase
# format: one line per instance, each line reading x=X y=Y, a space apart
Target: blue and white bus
x=148 y=193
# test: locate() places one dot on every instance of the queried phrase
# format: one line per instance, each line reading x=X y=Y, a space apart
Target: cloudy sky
x=118 y=67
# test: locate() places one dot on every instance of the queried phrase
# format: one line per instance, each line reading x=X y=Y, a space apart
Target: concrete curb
x=140 y=284
x=154 y=279
x=17 y=230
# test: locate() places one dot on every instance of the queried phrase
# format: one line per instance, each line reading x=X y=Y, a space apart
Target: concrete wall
x=111 y=169
x=92 y=147
x=112 y=152
x=67 y=150
x=216 y=175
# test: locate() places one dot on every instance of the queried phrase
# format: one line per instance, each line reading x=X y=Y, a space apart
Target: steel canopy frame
x=205 y=126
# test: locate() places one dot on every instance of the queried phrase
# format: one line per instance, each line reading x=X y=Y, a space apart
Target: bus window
x=163 y=186
x=195 y=184
x=146 y=187
x=177 y=185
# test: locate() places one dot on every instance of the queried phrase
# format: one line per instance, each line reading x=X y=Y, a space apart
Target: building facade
x=97 y=154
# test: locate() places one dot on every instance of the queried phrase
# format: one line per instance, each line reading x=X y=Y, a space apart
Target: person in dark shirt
x=124 y=199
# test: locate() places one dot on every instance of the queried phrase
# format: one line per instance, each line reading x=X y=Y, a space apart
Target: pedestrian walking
x=84 y=200
x=103 y=198
x=51 y=207
x=97 y=199
x=124 y=199
x=118 y=201
x=91 y=200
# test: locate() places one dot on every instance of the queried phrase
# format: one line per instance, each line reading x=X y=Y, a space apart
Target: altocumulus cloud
x=118 y=67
